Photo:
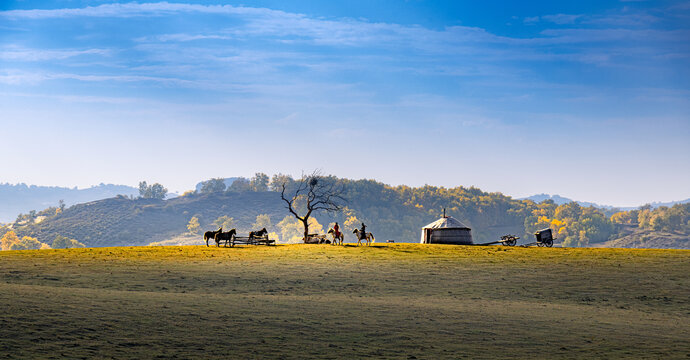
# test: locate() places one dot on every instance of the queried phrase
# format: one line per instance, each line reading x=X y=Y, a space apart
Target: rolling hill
x=22 y=198
x=395 y=213
x=649 y=239
x=122 y=221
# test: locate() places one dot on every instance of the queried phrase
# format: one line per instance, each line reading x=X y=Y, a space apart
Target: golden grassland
x=387 y=301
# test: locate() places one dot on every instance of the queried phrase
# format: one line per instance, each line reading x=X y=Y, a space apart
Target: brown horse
x=258 y=234
x=368 y=237
x=225 y=236
x=212 y=234
x=337 y=240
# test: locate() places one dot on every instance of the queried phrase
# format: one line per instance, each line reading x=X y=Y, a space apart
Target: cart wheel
x=511 y=242
x=548 y=243
x=540 y=244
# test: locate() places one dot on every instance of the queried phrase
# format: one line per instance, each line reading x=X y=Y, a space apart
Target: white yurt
x=447 y=230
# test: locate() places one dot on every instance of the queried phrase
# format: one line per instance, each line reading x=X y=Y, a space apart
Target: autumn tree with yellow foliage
x=571 y=223
x=8 y=239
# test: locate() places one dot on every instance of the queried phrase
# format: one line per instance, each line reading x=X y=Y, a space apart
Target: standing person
x=336 y=229
x=363 y=232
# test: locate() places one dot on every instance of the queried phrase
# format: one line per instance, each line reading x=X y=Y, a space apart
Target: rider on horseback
x=336 y=229
x=363 y=232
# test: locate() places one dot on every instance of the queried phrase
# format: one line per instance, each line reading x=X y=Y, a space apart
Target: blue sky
x=587 y=99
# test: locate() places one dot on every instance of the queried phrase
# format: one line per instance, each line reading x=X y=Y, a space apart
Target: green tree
x=263 y=221
x=278 y=180
x=158 y=191
x=225 y=222
x=63 y=242
x=144 y=190
x=28 y=243
x=193 y=225
x=240 y=185
x=570 y=211
x=213 y=185
x=624 y=217
x=155 y=191
x=259 y=182
x=290 y=230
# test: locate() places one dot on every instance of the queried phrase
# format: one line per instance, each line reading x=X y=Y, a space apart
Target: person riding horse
x=336 y=229
x=363 y=232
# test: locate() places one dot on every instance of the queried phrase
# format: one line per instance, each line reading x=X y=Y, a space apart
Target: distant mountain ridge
x=560 y=200
x=22 y=198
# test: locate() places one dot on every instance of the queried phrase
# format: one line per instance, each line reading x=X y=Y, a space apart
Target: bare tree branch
x=319 y=193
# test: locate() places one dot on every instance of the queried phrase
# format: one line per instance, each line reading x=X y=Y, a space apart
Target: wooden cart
x=507 y=240
x=544 y=238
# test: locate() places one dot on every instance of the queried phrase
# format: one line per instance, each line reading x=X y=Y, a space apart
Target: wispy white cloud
x=531 y=20
x=636 y=37
x=267 y=22
x=134 y=9
x=622 y=20
x=226 y=61
x=618 y=19
x=19 y=54
x=18 y=77
x=561 y=18
x=81 y=98
x=182 y=37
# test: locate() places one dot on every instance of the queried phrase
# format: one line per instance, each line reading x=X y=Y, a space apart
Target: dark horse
x=212 y=234
x=225 y=236
x=258 y=234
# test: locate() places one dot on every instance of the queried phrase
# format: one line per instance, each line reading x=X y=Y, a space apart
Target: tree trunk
x=305 y=222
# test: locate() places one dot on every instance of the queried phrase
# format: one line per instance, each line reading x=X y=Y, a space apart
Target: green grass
x=387 y=301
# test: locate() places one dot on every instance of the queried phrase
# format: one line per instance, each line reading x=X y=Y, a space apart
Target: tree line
x=398 y=212
x=10 y=241
x=671 y=219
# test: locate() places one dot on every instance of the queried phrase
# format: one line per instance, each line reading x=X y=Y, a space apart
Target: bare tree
x=311 y=193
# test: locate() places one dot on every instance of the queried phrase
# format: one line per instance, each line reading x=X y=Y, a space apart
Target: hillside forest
x=390 y=212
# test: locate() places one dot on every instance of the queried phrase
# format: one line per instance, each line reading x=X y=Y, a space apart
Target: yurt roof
x=447 y=222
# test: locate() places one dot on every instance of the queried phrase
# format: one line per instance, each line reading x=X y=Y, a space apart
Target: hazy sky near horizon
x=586 y=99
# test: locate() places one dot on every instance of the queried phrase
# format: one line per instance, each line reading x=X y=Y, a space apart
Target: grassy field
x=400 y=301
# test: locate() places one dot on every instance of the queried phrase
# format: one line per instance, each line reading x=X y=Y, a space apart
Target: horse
x=258 y=234
x=337 y=240
x=369 y=237
x=212 y=234
x=227 y=236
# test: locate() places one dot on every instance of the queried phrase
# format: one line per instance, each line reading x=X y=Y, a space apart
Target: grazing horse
x=337 y=240
x=225 y=236
x=212 y=234
x=258 y=234
x=369 y=237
